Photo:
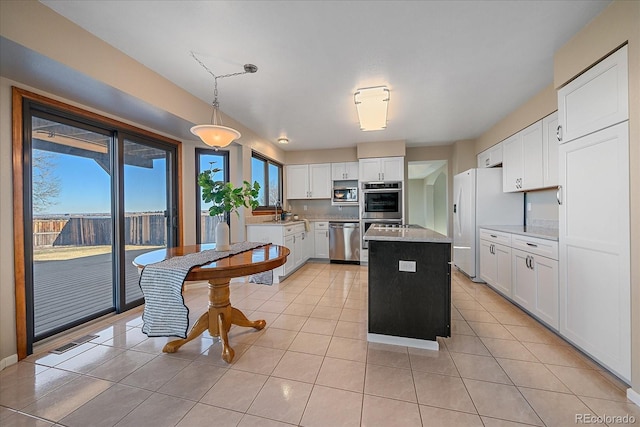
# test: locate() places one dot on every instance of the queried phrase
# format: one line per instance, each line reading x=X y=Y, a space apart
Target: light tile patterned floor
x=312 y=366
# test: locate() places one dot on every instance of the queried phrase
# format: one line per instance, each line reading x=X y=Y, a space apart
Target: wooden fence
x=87 y=230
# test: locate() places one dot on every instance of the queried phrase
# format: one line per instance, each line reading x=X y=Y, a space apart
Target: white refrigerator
x=479 y=200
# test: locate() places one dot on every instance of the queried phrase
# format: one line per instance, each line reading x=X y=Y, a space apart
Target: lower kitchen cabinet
x=524 y=269
x=321 y=240
x=535 y=285
x=292 y=236
x=495 y=266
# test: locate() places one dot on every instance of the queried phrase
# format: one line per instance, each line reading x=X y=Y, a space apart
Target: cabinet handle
x=526 y=262
x=486 y=162
x=294 y=239
x=494 y=236
x=532 y=245
x=383 y=176
x=531 y=263
x=559 y=133
x=326 y=234
x=559 y=194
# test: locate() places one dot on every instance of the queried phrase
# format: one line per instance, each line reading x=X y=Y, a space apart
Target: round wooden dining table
x=220 y=315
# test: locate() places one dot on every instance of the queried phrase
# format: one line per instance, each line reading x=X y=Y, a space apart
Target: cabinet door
x=550 y=151
x=392 y=168
x=594 y=246
x=320 y=181
x=546 y=303
x=512 y=156
x=297 y=181
x=595 y=100
x=299 y=248
x=488 y=265
x=351 y=170
x=532 y=157
x=290 y=265
x=338 y=171
x=369 y=170
x=321 y=244
x=495 y=155
x=502 y=254
x=524 y=281
x=484 y=159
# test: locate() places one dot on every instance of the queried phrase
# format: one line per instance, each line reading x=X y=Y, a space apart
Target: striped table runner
x=165 y=313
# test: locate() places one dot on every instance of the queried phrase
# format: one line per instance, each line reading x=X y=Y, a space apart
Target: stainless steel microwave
x=345 y=196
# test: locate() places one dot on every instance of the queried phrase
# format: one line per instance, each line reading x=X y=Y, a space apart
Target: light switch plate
x=408 y=266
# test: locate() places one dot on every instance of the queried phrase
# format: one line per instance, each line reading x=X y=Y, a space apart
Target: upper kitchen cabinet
x=550 y=151
x=490 y=157
x=309 y=181
x=344 y=171
x=523 y=159
x=597 y=99
x=382 y=169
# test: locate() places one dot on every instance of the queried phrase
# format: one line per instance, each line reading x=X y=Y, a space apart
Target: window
x=269 y=175
x=207 y=159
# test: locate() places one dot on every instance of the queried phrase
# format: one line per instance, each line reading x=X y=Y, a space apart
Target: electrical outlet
x=339 y=208
x=304 y=207
x=408 y=266
x=528 y=206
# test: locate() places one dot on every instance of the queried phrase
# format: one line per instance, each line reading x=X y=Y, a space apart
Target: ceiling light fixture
x=215 y=134
x=372 y=104
x=283 y=140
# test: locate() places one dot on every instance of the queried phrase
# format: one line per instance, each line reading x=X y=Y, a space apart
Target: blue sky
x=85 y=187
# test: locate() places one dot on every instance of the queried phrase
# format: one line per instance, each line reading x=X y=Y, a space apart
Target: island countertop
x=412 y=233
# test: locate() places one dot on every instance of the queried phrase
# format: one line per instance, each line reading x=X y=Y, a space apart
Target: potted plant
x=226 y=198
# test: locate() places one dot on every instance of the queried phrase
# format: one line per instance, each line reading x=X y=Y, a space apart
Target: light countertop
x=412 y=234
x=281 y=223
x=539 y=232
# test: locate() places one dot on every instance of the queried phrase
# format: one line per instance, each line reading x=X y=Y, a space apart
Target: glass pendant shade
x=215 y=135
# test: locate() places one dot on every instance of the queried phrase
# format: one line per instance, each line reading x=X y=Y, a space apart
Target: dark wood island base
x=409 y=287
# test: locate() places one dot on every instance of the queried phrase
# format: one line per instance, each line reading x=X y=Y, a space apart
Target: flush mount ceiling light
x=283 y=140
x=215 y=134
x=372 y=104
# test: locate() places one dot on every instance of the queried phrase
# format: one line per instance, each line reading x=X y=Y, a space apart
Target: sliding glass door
x=72 y=221
x=95 y=197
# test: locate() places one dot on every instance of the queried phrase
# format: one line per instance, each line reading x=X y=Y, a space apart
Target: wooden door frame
x=19 y=96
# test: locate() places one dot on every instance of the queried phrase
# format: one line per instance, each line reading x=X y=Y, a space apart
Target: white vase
x=222 y=236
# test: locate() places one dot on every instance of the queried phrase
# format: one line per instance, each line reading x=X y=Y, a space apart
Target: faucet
x=277 y=217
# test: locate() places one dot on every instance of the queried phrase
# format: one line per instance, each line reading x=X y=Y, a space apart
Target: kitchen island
x=409 y=286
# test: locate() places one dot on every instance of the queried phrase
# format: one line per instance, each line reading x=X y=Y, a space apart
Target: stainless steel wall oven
x=381 y=200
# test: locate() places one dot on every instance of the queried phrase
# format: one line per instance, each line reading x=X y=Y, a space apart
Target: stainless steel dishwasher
x=344 y=242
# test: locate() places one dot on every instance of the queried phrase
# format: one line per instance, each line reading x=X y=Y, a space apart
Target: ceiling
x=454 y=68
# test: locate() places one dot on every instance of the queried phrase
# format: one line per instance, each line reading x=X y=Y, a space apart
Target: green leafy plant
x=224 y=196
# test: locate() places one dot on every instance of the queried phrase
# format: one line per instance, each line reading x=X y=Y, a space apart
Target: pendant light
x=215 y=134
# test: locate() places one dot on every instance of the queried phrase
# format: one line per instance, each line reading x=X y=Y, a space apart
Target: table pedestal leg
x=218 y=320
x=199 y=327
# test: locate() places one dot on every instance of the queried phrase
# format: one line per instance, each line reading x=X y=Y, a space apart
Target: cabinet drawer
x=320 y=226
x=288 y=230
x=495 y=236
x=546 y=248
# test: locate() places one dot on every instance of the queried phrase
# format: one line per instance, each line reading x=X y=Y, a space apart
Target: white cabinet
x=490 y=157
x=309 y=181
x=523 y=268
x=535 y=285
x=495 y=260
x=382 y=169
x=522 y=163
x=535 y=277
x=344 y=171
x=293 y=236
x=321 y=240
x=595 y=284
x=596 y=99
x=550 y=151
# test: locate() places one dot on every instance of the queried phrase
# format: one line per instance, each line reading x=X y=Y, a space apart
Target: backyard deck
x=69 y=290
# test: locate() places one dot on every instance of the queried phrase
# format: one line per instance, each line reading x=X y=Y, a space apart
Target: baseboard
x=8 y=361
x=633 y=396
